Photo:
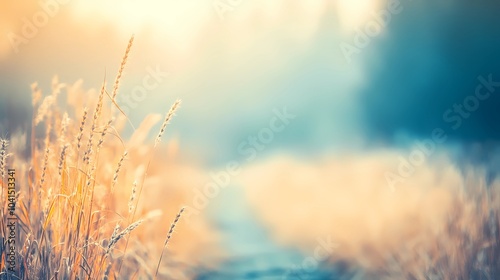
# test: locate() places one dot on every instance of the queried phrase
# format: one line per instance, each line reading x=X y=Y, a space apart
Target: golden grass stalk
x=95 y=120
x=168 y=117
x=45 y=166
x=103 y=134
x=82 y=127
x=117 y=171
x=62 y=158
x=116 y=237
x=167 y=239
x=122 y=67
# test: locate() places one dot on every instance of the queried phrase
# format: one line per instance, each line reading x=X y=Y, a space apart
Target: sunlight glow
x=181 y=20
x=354 y=13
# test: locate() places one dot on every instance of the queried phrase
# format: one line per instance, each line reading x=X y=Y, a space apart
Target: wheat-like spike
x=3 y=156
x=98 y=108
x=82 y=126
x=45 y=163
x=132 y=197
x=108 y=251
x=122 y=67
x=168 y=117
x=98 y=148
x=114 y=234
x=172 y=226
x=118 y=236
x=88 y=152
x=115 y=231
x=62 y=158
x=117 y=171
x=91 y=174
x=95 y=119
x=169 y=235
x=103 y=133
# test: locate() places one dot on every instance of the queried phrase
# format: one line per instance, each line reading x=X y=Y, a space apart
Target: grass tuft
x=66 y=204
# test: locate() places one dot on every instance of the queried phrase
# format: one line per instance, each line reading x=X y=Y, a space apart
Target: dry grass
x=465 y=246
x=79 y=187
x=439 y=224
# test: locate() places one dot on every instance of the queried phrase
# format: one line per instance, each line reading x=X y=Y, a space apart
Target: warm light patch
x=180 y=20
x=355 y=13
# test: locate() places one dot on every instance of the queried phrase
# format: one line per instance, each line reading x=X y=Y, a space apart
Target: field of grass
x=89 y=204
x=440 y=223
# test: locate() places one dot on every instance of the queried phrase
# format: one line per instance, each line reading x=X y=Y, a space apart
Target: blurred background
x=361 y=80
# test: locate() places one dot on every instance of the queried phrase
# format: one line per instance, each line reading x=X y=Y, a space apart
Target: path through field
x=254 y=254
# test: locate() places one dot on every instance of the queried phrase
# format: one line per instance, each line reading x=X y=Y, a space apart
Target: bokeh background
x=233 y=62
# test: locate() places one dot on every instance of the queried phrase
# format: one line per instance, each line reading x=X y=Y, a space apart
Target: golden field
x=90 y=204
